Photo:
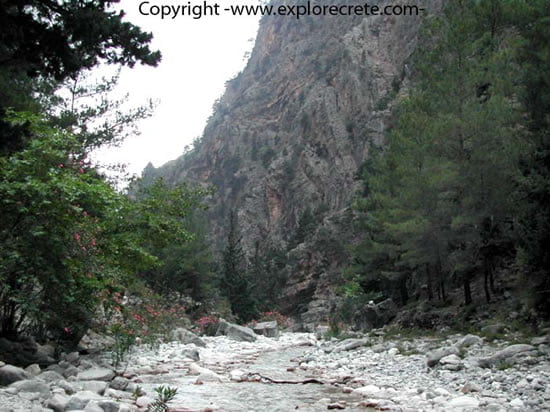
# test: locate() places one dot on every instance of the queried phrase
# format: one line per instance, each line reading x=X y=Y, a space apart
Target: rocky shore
x=243 y=371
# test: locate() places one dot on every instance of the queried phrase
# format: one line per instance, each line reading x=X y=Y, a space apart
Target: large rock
x=79 y=400
x=58 y=402
x=96 y=374
x=184 y=336
x=269 y=329
x=32 y=385
x=105 y=405
x=98 y=387
x=93 y=342
x=433 y=357
x=451 y=362
x=373 y=316
x=10 y=374
x=192 y=354
x=235 y=332
x=350 y=344
x=469 y=340
x=463 y=402
x=23 y=353
x=506 y=354
x=50 y=376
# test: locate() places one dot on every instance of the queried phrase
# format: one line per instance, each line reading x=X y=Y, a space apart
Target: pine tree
x=235 y=284
x=442 y=195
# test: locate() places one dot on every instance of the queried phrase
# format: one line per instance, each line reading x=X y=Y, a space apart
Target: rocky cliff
x=290 y=133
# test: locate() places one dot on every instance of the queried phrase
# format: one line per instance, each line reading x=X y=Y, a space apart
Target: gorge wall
x=290 y=135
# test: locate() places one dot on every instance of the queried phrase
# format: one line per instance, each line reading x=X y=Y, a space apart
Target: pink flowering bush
x=148 y=318
x=206 y=325
x=282 y=320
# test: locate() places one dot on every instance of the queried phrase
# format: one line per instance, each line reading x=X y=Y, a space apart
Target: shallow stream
x=252 y=396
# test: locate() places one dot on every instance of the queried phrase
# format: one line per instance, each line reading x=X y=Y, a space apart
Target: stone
x=93 y=342
x=375 y=315
x=70 y=371
x=506 y=353
x=119 y=383
x=58 y=402
x=451 y=362
x=96 y=374
x=80 y=399
x=50 y=376
x=517 y=403
x=393 y=351
x=541 y=340
x=116 y=394
x=67 y=387
x=33 y=369
x=469 y=340
x=24 y=353
x=73 y=357
x=349 y=344
x=235 y=332
x=205 y=375
x=269 y=329
x=433 y=357
x=184 y=336
x=471 y=387
x=463 y=402
x=237 y=375
x=93 y=406
x=10 y=374
x=105 y=405
x=192 y=354
x=370 y=391
x=144 y=401
x=98 y=387
x=32 y=385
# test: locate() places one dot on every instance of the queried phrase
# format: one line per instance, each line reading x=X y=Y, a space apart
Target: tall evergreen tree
x=441 y=199
x=235 y=284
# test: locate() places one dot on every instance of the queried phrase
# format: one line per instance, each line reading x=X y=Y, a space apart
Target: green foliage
x=54 y=208
x=43 y=43
x=235 y=283
x=143 y=317
x=441 y=197
x=65 y=229
x=59 y=40
x=268 y=275
x=164 y=395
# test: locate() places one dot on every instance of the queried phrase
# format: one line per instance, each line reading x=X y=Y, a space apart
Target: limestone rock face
x=292 y=131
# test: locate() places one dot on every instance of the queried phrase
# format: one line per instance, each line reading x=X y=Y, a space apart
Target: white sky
x=198 y=57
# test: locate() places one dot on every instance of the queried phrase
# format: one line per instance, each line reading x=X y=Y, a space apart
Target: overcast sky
x=198 y=57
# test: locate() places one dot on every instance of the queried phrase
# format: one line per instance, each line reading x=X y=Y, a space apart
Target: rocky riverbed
x=294 y=371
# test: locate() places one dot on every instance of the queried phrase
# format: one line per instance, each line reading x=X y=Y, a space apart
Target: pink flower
x=76 y=237
x=67 y=330
x=80 y=170
x=60 y=165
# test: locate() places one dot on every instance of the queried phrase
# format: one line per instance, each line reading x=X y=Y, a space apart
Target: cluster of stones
x=454 y=374
x=459 y=373
x=90 y=384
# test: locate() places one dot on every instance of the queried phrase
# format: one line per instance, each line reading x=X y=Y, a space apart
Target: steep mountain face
x=290 y=134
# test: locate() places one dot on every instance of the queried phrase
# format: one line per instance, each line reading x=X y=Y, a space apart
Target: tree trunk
x=491 y=276
x=486 y=271
x=467 y=291
x=429 y=279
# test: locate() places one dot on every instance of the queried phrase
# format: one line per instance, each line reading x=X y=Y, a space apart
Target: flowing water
x=252 y=396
